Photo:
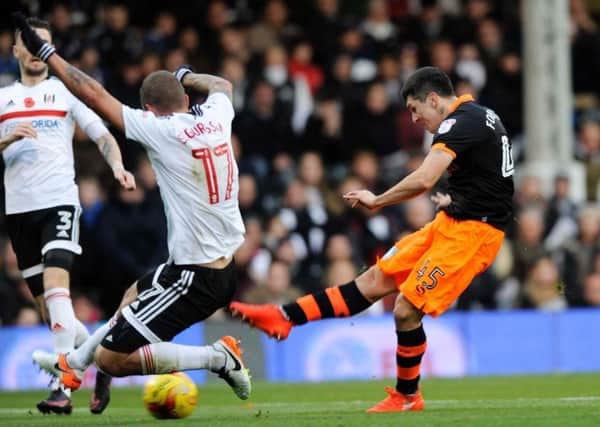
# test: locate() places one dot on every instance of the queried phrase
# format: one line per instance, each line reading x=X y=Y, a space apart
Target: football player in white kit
x=192 y=156
x=37 y=121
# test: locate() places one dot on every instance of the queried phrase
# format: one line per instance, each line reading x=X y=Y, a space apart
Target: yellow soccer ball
x=170 y=395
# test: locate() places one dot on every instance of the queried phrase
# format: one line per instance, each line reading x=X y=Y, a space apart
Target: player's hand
x=125 y=178
x=361 y=197
x=34 y=43
x=441 y=200
x=182 y=71
x=22 y=130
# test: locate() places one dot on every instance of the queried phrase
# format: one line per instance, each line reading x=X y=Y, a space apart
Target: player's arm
x=22 y=130
x=419 y=181
x=89 y=91
x=203 y=82
x=108 y=147
x=80 y=84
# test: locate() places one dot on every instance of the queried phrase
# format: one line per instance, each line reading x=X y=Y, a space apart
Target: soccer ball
x=170 y=395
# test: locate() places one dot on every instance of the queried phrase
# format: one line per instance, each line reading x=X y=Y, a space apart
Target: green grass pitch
x=523 y=401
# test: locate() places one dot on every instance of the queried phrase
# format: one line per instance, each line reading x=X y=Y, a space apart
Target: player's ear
x=432 y=100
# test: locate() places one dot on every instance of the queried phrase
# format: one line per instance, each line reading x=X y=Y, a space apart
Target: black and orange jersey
x=480 y=178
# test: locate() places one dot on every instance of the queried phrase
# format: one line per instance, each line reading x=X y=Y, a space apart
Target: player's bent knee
x=373 y=284
x=109 y=362
x=406 y=313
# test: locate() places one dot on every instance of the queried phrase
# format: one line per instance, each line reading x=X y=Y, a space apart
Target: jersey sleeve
x=83 y=115
x=217 y=104
x=141 y=126
x=457 y=134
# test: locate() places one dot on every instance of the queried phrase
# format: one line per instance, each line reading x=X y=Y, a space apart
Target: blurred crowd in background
x=318 y=113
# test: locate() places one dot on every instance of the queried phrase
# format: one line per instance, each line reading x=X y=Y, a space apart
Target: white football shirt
x=39 y=172
x=197 y=174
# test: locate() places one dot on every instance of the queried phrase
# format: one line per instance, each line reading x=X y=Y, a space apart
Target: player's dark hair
x=36 y=23
x=162 y=90
x=426 y=80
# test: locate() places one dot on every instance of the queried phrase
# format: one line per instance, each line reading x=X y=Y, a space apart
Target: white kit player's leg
x=222 y=357
x=83 y=356
x=81 y=333
x=76 y=361
x=62 y=319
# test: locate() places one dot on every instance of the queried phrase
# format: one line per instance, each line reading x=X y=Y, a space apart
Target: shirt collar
x=461 y=100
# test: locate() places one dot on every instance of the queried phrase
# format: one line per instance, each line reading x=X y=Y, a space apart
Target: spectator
x=233 y=69
x=89 y=62
x=325 y=27
x=115 y=39
x=64 y=37
x=249 y=200
x=162 y=37
x=189 y=42
x=543 y=289
x=132 y=235
x=323 y=132
x=580 y=252
x=263 y=128
x=272 y=29
x=506 y=77
x=561 y=214
x=378 y=26
x=301 y=65
x=277 y=289
x=339 y=272
x=585 y=50
x=234 y=42
x=417 y=212
x=528 y=246
x=9 y=67
x=591 y=290
x=388 y=73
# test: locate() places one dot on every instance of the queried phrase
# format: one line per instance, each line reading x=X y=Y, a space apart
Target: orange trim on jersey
x=408 y=373
x=411 y=351
x=309 y=305
x=443 y=147
x=340 y=308
x=460 y=100
x=32 y=113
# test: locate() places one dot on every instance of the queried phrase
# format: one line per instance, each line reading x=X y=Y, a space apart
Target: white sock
x=84 y=355
x=81 y=333
x=62 y=319
x=165 y=357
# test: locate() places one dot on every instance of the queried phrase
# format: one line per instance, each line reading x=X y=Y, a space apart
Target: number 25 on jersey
x=208 y=157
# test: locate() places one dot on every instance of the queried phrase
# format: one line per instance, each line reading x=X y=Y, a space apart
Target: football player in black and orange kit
x=432 y=266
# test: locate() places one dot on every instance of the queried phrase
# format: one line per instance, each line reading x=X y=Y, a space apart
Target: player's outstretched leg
x=101 y=395
x=224 y=357
x=277 y=322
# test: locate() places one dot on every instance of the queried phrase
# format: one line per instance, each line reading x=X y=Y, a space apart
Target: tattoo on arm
x=110 y=150
x=80 y=83
x=208 y=82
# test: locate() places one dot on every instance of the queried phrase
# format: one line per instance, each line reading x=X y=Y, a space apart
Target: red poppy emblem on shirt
x=29 y=102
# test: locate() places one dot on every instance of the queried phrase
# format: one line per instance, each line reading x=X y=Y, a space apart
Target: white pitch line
x=431 y=403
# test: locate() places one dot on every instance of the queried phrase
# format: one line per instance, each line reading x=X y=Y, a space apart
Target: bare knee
x=406 y=315
x=374 y=284
x=110 y=362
